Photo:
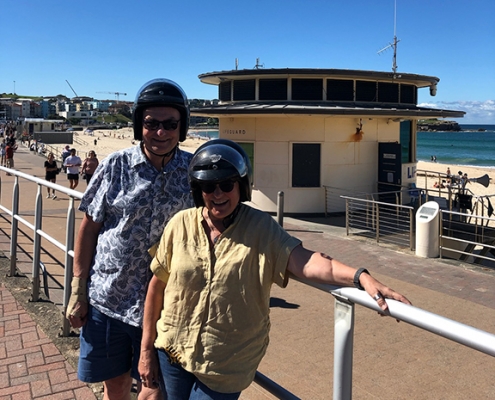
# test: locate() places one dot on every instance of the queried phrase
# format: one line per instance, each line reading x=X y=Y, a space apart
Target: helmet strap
x=164 y=156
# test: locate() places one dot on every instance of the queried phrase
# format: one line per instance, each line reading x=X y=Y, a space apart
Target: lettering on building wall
x=411 y=172
x=234 y=132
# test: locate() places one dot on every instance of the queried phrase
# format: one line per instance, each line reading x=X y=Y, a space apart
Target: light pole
x=14 y=87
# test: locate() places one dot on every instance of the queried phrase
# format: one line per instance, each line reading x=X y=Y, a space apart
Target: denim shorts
x=108 y=348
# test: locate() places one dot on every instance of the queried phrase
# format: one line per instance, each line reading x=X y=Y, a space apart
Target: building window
x=307 y=89
x=244 y=90
x=408 y=94
x=340 y=90
x=225 y=91
x=306 y=165
x=273 y=89
x=365 y=91
x=388 y=92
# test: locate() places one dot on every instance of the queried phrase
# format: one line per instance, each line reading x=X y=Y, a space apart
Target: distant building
x=306 y=129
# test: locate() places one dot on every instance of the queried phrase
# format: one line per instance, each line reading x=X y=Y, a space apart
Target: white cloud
x=477 y=112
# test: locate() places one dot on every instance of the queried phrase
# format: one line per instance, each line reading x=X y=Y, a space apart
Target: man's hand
x=77 y=309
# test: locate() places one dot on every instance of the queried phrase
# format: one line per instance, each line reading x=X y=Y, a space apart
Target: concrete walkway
x=391 y=360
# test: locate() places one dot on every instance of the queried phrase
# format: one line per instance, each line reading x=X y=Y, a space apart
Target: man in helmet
x=129 y=200
x=218 y=262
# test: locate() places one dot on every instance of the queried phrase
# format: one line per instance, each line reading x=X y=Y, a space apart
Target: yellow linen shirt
x=215 y=316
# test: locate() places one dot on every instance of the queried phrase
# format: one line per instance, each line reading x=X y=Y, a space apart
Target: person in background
x=3 y=161
x=208 y=303
x=89 y=166
x=72 y=164
x=51 y=172
x=65 y=154
x=129 y=200
x=10 y=148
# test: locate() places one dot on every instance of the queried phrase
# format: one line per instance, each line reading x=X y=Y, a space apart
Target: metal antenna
x=258 y=65
x=394 y=44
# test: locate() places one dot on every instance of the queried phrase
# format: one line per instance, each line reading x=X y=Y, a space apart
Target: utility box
x=428 y=230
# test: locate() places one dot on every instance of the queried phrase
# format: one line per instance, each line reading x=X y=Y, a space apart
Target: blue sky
x=117 y=45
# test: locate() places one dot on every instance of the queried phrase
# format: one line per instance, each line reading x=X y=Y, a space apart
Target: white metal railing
x=16 y=218
x=345 y=298
x=381 y=221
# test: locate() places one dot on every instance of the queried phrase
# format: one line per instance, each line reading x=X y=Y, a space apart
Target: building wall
x=349 y=161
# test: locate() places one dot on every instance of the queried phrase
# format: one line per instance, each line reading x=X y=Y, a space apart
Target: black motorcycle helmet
x=218 y=160
x=160 y=93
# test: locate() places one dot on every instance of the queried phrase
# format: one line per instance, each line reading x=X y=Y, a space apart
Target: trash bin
x=428 y=230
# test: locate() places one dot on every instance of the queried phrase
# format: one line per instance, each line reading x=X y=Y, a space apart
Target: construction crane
x=117 y=94
x=71 y=88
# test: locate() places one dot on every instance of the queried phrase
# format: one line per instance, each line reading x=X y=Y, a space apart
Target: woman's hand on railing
x=379 y=292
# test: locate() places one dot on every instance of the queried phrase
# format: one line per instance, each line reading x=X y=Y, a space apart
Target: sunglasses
x=153 y=124
x=209 y=187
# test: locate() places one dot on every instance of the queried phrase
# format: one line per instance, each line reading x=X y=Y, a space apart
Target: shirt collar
x=178 y=161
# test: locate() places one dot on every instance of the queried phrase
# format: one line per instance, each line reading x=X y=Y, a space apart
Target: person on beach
x=89 y=166
x=72 y=164
x=207 y=307
x=131 y=197
x=51 y=172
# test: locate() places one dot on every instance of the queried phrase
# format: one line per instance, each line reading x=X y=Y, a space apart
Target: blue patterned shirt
x=134 y=202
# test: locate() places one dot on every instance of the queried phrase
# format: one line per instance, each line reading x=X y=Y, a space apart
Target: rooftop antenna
x=394 y=44
x=258 y=65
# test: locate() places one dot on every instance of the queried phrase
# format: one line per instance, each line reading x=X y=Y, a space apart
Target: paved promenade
x=391 y=360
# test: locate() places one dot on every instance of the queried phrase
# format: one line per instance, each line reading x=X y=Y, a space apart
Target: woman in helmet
x=130 y=198
x=218 y=262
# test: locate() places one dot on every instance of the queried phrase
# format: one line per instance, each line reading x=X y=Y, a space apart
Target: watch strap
x=357 y=275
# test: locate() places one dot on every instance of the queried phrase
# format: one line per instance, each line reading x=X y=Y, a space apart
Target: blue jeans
x=182 y=385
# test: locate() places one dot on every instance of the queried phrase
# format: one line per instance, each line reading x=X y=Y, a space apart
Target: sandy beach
x=109 y=141
x=427 y=175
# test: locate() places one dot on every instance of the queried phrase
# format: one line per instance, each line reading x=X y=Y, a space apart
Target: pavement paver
x=391 y=360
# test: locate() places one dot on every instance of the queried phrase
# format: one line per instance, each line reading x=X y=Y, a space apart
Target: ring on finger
x=377 y=297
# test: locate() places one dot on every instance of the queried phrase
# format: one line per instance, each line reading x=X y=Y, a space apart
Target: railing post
x=347 y=217
x=377 y=223
x=411 y=234
x=343 y=349
x=38 y=214
x=69 y=262
x=280 y=208
x=14 y=228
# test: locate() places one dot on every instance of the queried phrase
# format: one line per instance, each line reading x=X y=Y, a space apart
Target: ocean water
x=468 y=147
x=204 y=133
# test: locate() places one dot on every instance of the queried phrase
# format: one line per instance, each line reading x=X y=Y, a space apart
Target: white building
x=304 y=129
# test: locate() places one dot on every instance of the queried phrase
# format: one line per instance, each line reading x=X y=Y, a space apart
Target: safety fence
x=345 y=298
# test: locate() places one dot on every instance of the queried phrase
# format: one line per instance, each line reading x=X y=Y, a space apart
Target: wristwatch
x=357 y=275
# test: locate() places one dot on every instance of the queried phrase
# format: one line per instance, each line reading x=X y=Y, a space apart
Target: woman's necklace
x=213 y=236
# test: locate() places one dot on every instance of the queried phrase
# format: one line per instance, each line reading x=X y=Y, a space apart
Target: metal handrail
x=67 y=248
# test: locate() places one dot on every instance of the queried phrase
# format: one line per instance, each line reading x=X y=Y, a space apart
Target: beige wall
x=349 y=162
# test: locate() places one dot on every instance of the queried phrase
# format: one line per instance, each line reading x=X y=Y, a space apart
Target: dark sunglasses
x=209 y=187
x=153 y=124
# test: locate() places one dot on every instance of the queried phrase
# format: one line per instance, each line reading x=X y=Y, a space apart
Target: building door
x=389 y=168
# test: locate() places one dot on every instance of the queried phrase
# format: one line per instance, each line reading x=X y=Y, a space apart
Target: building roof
x=215 y=78
x=324 y=108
